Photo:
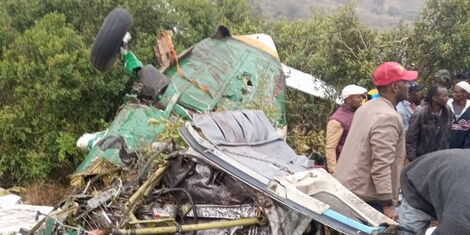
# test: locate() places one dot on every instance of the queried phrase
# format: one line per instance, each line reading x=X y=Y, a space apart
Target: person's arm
x=384 y=140
x=446 y=126
x=334 y=130
x=412 y=136
x=466 y=141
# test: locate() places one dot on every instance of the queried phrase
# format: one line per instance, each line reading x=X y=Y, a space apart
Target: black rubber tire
x=108 y=42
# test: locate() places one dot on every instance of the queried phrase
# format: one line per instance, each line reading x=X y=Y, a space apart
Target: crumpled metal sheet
x=101 y=198
x=208 y=185
x=285 y=221
x=237 y=128
x=209 y=212
x=224 y=211
x=249 y=138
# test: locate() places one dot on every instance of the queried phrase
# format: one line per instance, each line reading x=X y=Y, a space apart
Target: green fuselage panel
x=227 y=74
x=132 y=124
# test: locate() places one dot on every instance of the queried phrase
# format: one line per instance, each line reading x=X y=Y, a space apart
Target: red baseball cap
x=390 y=72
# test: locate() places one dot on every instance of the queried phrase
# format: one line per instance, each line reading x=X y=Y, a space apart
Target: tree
x=238 y=17
x=441 y=39
x=7 y=33
x=51 y=96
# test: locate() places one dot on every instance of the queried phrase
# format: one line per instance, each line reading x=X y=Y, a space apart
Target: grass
x=45 y=194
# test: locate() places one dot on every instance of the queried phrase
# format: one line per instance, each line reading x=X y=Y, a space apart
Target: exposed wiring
x=167 y=190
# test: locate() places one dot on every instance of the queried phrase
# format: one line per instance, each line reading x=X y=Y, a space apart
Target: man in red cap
x=374 y=152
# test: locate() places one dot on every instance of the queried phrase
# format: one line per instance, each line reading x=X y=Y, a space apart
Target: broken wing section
x=309 y=84
x=246 y=146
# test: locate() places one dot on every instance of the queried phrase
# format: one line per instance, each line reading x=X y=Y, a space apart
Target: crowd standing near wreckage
x=374 y=152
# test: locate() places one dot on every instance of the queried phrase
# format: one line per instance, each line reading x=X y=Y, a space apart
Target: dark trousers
x=376 y=206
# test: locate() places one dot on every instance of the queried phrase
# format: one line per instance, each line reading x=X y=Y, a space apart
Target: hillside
x=380 y=14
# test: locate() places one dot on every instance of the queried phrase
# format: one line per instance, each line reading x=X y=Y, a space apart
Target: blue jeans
x=412 y=219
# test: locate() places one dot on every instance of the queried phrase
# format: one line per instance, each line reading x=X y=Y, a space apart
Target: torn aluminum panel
x=309 y=84
x=224 y=211
x=243 y=143
x=102 y=198
x=130 y=129
x=209 y=212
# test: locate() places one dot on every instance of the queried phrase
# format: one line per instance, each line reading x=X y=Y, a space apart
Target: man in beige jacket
x=374 y=152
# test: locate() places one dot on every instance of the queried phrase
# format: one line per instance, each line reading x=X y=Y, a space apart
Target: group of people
x=368 y=142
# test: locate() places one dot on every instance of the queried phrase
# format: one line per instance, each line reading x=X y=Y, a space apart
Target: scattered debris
x=14 y=216
x=177 y=194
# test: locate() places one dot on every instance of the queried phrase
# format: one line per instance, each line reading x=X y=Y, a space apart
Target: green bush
x=51 y=96
x=441 y=38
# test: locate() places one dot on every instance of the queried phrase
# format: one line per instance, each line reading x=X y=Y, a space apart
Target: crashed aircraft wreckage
x=237 y=175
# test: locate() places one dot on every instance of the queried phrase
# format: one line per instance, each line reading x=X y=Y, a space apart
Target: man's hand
x=331 y=170
x=390 y=212
x=98 y=232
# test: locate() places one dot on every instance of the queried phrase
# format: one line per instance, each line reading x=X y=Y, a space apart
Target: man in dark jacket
x=436 y=187
x=429 y=129
x=460 y=107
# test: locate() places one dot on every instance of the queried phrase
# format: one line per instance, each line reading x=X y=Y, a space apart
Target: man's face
x=401 y=90
x=416 y=97
x=355 y=101
x=459 y=94
x=441 y=96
